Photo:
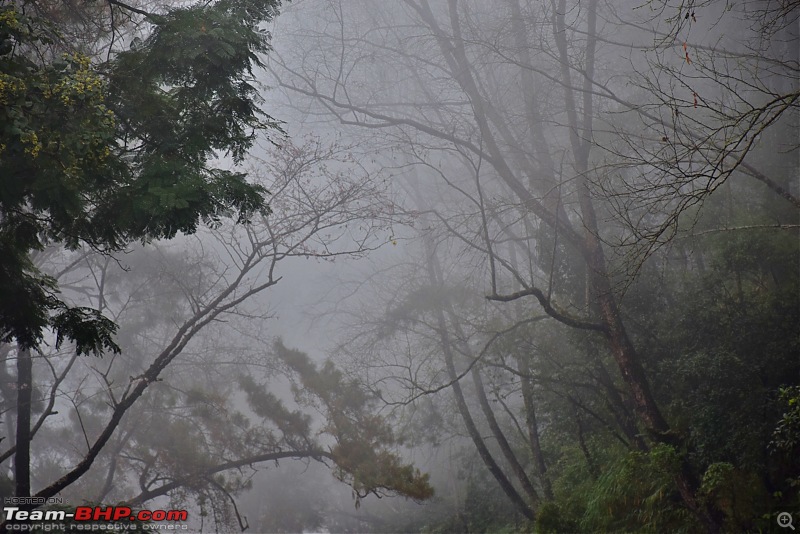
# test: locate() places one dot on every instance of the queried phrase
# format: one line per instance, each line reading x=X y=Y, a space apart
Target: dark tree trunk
x=529 y=401
x=461 y=403
x=22 y=457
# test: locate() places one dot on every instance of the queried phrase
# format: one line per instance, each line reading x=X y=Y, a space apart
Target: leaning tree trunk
x=623 y=351
x=448 y=351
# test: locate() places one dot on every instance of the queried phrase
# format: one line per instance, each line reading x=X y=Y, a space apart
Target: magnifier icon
x=785 y=520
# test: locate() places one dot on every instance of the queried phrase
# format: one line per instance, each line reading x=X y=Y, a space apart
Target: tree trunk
x=533 y=428
x=22 y=457
x=461 y=403
x=505 y=447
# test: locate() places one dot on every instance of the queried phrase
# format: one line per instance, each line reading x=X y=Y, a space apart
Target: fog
x=415 y=266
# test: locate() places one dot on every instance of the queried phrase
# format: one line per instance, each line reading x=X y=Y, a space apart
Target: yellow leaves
x=81 y=84
x=57 y=113
x=8 y=18
x=10 y=86
x=31 y=140
x=81 y=60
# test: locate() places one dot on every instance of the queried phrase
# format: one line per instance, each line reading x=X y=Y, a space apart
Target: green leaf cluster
x=101 y=154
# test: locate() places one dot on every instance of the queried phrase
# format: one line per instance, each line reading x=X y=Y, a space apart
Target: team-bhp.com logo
x=116 y=516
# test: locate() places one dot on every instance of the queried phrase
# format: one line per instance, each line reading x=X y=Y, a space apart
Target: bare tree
x=578 y=152
x=161 y=417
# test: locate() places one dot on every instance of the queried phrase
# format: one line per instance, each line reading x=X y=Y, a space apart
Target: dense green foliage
x=102 y=153
x=722 y=338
